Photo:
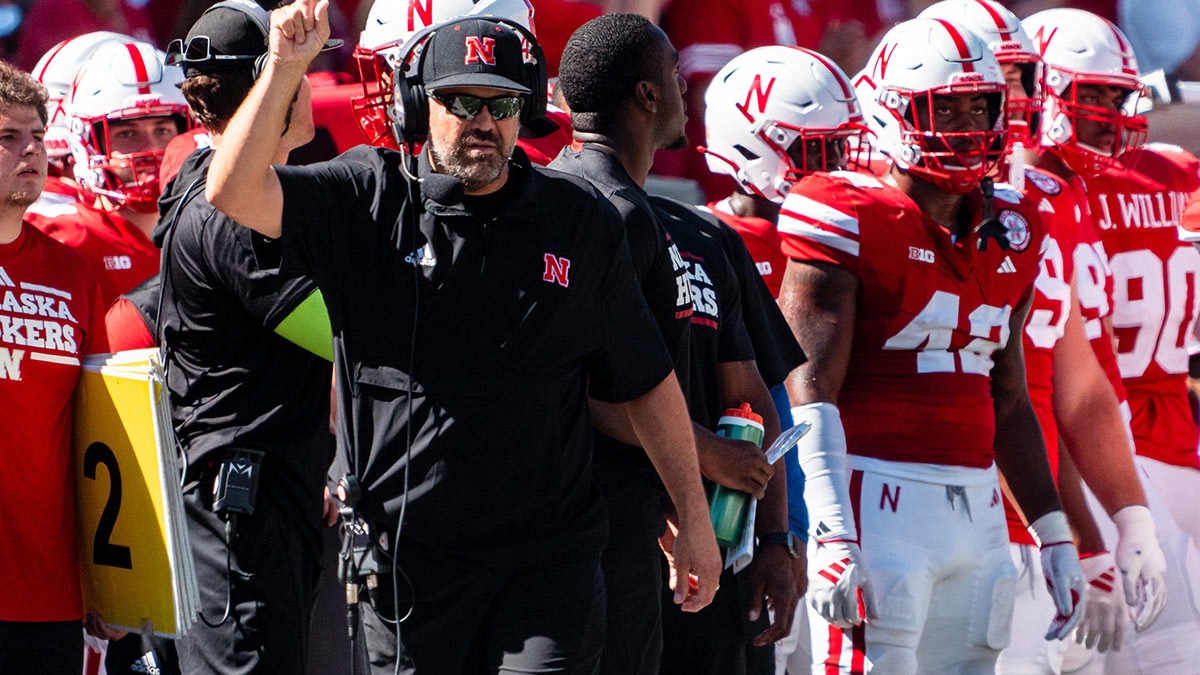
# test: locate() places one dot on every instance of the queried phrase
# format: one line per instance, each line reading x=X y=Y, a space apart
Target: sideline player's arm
x=771 y=572
x=1021 y=456
x=1020 y=447
x=820 y=301
x=1089 y=419
x=1093 y=431
x=735 y=463
x=660 y=420
x=729 y=461
x=241 y=182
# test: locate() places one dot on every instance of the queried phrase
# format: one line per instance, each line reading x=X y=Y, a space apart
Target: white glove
x=1142 y=564
x=1103 y=624
x=1060 y=566
x=839 y=586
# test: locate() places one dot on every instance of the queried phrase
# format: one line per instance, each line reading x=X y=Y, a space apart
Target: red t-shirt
x=930 y=312
x=52 y=21
x=119 y=253
x=761 y=239
x=125 y=327
x=51 y=315
x=1156 y=297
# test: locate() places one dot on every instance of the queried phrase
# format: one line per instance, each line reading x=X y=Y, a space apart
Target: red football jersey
x=1047 y=315
x=931 y=311
x=761 y=239
x=1094 y=288
x=50 y=316
x=119 y=253
x=1156 y=295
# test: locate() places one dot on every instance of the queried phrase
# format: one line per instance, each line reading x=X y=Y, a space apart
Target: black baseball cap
x=475 y=53
x=230 y=35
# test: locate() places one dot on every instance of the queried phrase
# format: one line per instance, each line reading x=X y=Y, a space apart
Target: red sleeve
x=819 y=221
x=125 y=327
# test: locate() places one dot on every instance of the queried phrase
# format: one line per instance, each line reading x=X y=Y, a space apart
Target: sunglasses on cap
x=467 y=107
x=197 y=50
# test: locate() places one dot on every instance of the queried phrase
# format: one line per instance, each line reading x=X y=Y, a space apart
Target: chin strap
x=990 y=228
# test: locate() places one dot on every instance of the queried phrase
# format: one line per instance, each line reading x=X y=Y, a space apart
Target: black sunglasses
x=197 y=50
x=466 y=106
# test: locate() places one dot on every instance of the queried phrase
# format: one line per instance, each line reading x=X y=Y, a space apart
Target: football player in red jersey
x=1089 y=73
x=904 y=291
x=122 y=110
x=773 y=115
x=1067 y=386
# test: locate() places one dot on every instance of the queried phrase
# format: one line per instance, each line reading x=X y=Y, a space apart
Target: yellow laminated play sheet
x=134 y=556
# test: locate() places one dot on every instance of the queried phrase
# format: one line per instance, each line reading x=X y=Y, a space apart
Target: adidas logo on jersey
x=422 y=257
x=1006 y=267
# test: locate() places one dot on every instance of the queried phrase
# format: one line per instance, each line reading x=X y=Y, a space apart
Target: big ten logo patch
x=118 y=262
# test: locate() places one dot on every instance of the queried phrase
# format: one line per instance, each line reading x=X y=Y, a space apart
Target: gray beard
x=474 y=174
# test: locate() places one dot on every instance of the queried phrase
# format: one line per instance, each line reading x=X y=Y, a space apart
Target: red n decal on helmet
x=759 y=94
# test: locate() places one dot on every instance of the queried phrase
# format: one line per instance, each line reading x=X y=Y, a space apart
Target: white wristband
x=822 y=456
x=1050 y=529
x=1134 y=519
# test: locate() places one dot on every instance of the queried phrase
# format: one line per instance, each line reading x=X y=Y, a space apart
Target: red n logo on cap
x=481 y=50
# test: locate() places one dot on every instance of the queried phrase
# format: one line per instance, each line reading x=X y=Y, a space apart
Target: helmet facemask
x=954 y=161
x=1067 y=111
x=125 y=180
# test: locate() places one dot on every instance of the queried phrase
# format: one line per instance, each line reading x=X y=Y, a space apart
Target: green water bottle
x=727 y=508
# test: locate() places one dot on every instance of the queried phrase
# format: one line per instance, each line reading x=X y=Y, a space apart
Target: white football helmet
x=1080 y=48
x=122 y=80
x=915 y=62
x=390 y=23
x=770 y=100
x=56 y=70
x=1001 y=31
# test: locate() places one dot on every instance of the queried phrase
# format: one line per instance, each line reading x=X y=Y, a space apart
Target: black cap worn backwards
x=475 y=53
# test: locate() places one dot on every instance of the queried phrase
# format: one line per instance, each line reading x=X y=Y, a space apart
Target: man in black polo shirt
x=619 y=78
x=237 y=388
x=472 y=318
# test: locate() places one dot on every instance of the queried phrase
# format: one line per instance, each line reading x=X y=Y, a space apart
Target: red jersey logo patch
x=557 y=270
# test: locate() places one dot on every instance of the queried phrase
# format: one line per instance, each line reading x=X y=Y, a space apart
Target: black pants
x=131 y=655
x=549 y=619
x=715 y=640
x=35 y=648
x=274 y=568
x=634 y=642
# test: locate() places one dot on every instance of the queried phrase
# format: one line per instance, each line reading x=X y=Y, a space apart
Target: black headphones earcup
x=412 y=110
